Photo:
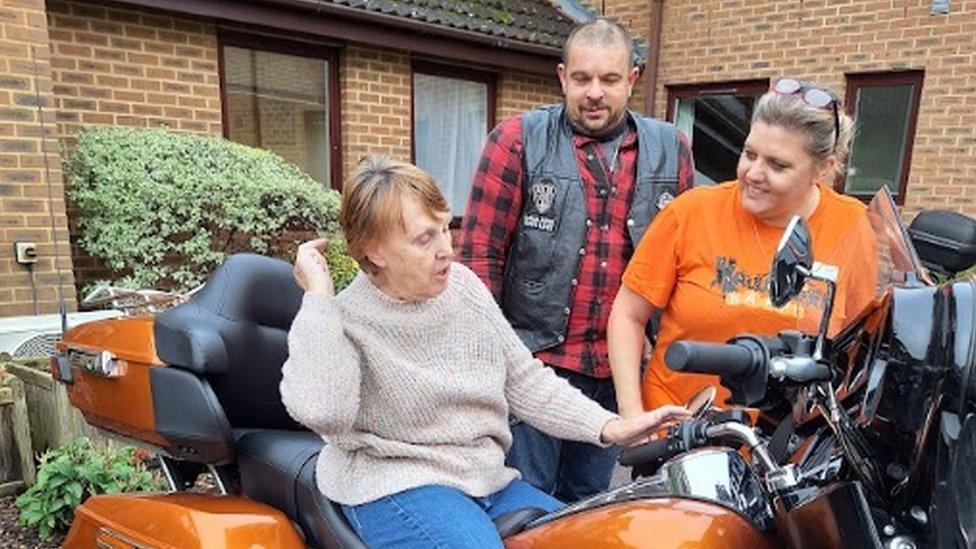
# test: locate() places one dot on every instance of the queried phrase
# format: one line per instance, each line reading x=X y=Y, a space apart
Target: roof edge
x=575 y=10
x=341 y=27
x=322 y=7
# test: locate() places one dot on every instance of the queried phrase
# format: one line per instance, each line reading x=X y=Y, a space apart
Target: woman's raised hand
x=311 y=270
x=639 y=429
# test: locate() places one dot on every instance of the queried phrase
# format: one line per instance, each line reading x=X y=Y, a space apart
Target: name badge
x=538 y=222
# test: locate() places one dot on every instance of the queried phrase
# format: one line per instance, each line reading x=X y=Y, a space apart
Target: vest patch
x=542 y=195
x=539 y=222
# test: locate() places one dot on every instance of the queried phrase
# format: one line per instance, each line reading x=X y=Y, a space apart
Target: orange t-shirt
x=705 y=263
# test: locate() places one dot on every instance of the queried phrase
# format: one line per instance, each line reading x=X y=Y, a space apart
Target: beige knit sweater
x=412 y=394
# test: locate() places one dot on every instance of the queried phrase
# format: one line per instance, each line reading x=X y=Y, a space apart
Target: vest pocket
x=533 y=258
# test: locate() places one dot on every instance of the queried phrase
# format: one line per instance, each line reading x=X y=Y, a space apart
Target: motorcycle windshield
x=874 y=256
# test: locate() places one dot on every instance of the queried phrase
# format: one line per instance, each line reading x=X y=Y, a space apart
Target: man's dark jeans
x=568 y=470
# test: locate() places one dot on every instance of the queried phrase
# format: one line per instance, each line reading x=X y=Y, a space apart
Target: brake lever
x=798 y=369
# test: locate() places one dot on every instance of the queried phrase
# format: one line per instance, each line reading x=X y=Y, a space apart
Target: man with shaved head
x=561 y=197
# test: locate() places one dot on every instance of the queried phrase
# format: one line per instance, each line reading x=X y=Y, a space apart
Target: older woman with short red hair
x=410 y=374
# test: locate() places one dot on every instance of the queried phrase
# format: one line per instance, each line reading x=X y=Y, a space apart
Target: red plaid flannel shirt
x=491 y=221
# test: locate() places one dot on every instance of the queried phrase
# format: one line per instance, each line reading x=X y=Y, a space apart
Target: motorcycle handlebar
x=729 y=359
x=652 y=451
x=692 y=434
x=680 y=438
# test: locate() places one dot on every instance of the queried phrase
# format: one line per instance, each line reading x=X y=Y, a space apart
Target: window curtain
x=450 y=121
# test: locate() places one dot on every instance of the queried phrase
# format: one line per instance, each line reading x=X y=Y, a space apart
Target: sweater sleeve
x=548 y=402
x=321 y=378
x=534 y=392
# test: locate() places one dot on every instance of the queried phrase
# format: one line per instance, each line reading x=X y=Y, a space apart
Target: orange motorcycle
x=199 y=383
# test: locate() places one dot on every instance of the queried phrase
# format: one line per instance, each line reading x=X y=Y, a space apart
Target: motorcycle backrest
x=945 y=241
x=224 y=349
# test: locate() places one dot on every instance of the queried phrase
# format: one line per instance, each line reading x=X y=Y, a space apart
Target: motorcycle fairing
x=661 y=522
x=838 y=516
x=954 y=502
x=719 y=476
x=179 y=521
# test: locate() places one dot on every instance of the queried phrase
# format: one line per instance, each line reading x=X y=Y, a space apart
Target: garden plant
x=69 y=474
x=163 y=209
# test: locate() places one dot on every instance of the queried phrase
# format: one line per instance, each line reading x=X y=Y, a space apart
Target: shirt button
x=602 y=192
x=613 y=190
x=560 y=338
x=582 y=251
x=630 y=222
x=574 y=282
x=589 y=222
x=566 y=311
x=605 y=228
x=589 y=157
x=603 y=264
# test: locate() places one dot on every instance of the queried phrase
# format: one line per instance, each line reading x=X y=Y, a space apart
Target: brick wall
x=132 y=68
x=635 y=16
x=519 y=92
x=720 y=40
x=25 y=212
x=375 y=96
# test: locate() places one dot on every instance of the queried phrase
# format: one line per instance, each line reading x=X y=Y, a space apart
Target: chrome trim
x=119 y=536
x=100 y=363
x=719 y=476
x=747 y=436
x=168 y=474
x=218 y=480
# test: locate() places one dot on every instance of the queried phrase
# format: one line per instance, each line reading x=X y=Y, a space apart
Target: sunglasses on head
x=815 y=97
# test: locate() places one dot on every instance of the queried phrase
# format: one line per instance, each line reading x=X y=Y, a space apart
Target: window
x=884 y=107
x=716 y=118
x=453 y=111
x=281 y=96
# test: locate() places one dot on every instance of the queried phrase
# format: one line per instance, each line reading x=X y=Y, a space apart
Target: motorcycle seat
x=278 y=468
x=513 y=522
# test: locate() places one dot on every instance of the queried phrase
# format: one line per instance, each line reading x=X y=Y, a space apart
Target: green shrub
x=164 y=209
x=70 y=473
x=342 y=267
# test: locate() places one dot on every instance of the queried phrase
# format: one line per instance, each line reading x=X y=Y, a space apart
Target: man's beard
x=610 y=129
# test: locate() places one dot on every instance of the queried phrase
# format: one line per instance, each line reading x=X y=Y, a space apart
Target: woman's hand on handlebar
x=640 y=428
x=311 y=270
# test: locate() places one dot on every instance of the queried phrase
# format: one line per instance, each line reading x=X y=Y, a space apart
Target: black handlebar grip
x=730 y=360
x=645 y=453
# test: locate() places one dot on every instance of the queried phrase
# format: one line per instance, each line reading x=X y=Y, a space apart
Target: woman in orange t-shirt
x=705 y=260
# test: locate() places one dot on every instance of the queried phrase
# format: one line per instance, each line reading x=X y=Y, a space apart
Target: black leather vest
x=545 y=255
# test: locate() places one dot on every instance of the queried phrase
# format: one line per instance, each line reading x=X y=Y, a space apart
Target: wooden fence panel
x=16 y=453
x=52 y=418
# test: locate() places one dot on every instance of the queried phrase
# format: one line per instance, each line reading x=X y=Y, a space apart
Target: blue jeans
x=568 y=470
x=441 y=517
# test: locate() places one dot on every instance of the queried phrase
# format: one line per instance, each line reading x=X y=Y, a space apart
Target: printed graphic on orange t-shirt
x=705 y=263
